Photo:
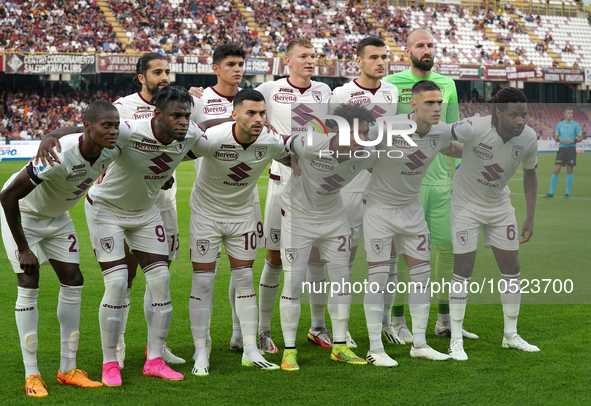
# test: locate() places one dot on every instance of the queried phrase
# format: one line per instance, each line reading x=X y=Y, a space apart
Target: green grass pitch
x=559 y=374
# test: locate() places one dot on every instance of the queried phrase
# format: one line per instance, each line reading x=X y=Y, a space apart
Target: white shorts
x=260 y=231
x=48 y=238
x=406 y=225
x=353 y=202
x=273 y=215
x=299 y=236
x=206 y=237
x=171 y=226
x=144 y=233
x=499 y=227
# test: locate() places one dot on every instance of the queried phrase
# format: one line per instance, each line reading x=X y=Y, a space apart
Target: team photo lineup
x=352 y=173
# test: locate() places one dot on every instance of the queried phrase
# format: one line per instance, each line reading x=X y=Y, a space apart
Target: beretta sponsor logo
x=285 y=98
x=76 y=175
x=321 y=165
x=483 y=153
x=215 y=109
x=226 y=155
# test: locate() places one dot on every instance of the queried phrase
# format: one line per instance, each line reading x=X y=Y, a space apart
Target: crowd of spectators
x=56 y=26
x=194 y=27
x=28 y=112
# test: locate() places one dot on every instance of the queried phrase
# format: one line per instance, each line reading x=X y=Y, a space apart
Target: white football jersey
x=316 y=193
x=60 y=186
x=395 y=182
x=134 y=179
x=134 y=107
x=488 y=163
x=229 y=172
x=286 y=112
x=383 y=102
x=212 y=105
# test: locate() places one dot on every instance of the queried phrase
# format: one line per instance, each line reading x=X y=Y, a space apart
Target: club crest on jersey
x=377 y=244
x=388 y=96
x=517 y=151
x=203 y=246
x=259 y=152
x=353 y=166
x=179 y=147
x=103 y=165
x=291 y=254
x=434 y=141
x=107 y=244
x=317 y=96
x=275 y=234
x=462 y=237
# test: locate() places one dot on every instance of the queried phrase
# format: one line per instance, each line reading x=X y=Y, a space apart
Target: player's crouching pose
x=495 y=146
x=313 y=214
x=36 y=227
x=234 y=155
x=393 y=211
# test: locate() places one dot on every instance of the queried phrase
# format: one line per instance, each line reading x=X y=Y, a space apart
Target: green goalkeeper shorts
x=436 y=200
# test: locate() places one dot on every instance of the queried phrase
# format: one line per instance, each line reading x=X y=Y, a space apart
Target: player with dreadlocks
x=494 y=146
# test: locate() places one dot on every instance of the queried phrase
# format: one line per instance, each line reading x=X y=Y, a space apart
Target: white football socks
x=157 y=280
x=199 y=306
x=316 y=277
x=458 y=297
x=68 y=314
x=373 y=304
x=390 y=291
x=268 y=287
x=111 y=310
x=246 y=306
x=339 y=304
x=511 y=300
x=419 y=296
x=27 y=318
x=289 y=304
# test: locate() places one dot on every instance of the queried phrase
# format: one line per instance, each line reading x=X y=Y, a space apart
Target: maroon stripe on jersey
x=369 y=89
x=273 y=176
x=244 y=146
x=230 y=98
x=89 y=199
x=364 y=201
x=301 y=89
x=283 y=212
x=153 y=266
x=144 y=100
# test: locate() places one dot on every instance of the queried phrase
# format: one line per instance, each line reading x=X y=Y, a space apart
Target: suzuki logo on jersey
x=416 y=160
x=161 y=163
x=434 y=141
x=387 y=96
x=332 y=183
x=259 y=152
x=492 y=172
x=82 y=188
x=300 y=113
x=377 y=111
x=517 y=151
x=240 y=173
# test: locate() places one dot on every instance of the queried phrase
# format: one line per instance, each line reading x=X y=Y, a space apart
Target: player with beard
x=494 y=148
x=436 y=186
x=369 y=89
x=215 y=103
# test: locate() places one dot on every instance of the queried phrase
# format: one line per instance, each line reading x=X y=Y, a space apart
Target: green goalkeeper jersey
x=438 y=172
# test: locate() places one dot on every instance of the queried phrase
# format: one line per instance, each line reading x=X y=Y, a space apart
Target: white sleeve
x=530 y=160
x=462 y=131
x=334 y=102
x=126 y=129
x=201 y=146
x=445 y=135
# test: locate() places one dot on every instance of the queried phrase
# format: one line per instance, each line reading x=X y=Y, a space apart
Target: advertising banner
x=43 y=64
x=19 y=150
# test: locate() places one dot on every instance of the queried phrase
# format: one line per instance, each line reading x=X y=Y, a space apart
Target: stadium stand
x=61 y=26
